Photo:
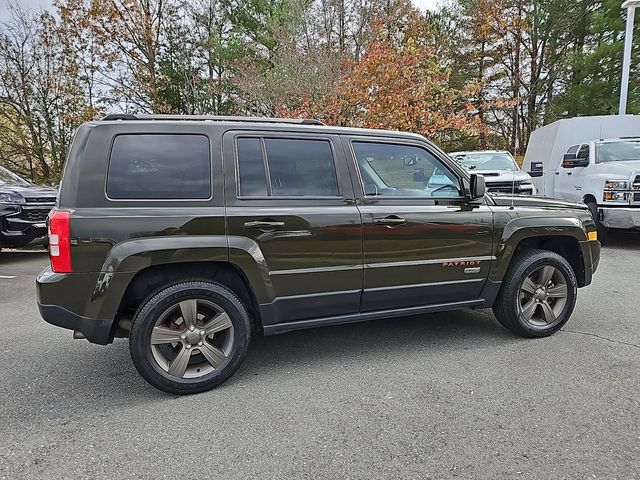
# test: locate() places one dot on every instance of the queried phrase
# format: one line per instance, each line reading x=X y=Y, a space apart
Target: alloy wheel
x=192 y=338
x=543 y=296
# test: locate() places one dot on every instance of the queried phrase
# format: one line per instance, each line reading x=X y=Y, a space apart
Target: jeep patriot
x=189 y=235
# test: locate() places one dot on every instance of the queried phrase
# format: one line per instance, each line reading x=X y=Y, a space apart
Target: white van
x=594 y=160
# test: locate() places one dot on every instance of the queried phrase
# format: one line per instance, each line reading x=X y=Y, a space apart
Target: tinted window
x=159 y=167
x=297 y=168
x=253 y=180
x=584 y=151
x=573 y=149
x=403 y=171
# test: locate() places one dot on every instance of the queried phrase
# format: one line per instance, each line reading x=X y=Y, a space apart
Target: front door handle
x=390 y=221
x=263 y=225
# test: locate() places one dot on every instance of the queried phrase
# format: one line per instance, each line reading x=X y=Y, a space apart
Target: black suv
x=23 y=210
x=191 y=234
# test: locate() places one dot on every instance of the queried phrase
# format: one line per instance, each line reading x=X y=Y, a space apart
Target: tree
x=41 y=101
x=399 y=84
x=594 y=68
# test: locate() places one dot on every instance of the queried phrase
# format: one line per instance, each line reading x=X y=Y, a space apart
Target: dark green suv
x=191 y=234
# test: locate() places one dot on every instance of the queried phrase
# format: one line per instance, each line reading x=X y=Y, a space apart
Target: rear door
x=290 y=195
x=423 y=243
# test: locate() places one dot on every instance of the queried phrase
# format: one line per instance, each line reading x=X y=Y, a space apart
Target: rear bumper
x=620 y=217
x=61 y=296
x=96 y=331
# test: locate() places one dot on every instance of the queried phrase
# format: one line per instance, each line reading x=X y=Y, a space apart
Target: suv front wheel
x=538 y=294
x=189 y=337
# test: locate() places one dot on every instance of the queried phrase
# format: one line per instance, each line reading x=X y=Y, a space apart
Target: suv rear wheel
x=189 y=337
x=538 y=294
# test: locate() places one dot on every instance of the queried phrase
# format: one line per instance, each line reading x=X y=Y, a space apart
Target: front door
x=423 y=243
x=290 y=206
x=569 y=177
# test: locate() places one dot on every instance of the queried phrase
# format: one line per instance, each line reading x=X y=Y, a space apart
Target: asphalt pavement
x=451 y=395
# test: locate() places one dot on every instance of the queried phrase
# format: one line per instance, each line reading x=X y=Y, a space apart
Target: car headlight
x=616 y=185
x=8 y=197
x=615 y=196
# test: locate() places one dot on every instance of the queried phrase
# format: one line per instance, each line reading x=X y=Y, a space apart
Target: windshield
x=486 y=161
x=10 y=178
x=618 y=151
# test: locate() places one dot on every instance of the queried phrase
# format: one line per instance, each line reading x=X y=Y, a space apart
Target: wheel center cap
x=540 y=294
x=193 y=337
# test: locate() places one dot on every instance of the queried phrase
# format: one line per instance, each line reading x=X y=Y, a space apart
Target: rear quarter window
x=159 y=166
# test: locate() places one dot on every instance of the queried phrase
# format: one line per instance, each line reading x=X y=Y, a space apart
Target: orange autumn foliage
x=402 y=87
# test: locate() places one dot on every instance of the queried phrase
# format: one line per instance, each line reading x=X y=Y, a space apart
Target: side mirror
x=571 y=160
x=537 y=169
x=477 y=187
x=581 y=162
x=418 y=175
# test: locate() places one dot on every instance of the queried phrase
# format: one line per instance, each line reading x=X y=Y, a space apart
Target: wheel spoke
x=161 y=335
x=545 y=275
x=547 y=311
x=189 y=310
x=217 y=324
x=529 y=309
x=528 y=286
x=213 y=355
x=557 y=291
x=179 y=364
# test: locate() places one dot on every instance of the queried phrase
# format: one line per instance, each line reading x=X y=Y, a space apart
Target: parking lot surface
x=451 y=395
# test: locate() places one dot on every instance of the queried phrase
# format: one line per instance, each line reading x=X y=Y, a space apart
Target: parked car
x=499 y=168
x=593 y=160
x=189 y=235
x=23 y=210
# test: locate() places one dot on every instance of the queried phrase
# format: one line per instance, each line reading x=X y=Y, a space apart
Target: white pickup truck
x=594 y=160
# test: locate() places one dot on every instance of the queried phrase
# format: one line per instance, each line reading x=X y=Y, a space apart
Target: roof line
x=211 y=118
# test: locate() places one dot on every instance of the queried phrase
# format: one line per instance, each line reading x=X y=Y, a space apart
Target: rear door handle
x=263 y=225
x=390 y=221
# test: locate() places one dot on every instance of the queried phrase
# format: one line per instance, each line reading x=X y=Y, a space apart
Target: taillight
x=59 y=241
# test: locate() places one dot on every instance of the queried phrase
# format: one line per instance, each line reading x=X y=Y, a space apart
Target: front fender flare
x=520 y=229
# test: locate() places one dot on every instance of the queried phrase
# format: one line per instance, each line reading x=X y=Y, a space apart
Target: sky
x=37 y=4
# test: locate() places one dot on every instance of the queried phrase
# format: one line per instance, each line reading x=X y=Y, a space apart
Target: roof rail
x=213 y=118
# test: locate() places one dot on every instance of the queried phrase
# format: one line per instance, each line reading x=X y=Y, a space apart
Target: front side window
x=583 y=152
x=159 y=167
x=403 y=171
x=285 y=167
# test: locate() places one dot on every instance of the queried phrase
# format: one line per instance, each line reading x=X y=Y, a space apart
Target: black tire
x=150 y=312
x=601 y=229
x=507 y=308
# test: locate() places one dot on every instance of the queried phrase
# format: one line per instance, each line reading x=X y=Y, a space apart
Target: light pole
x=630 y=5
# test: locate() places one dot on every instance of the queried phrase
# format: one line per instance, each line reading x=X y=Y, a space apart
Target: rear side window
x=291 y=168
x=159 y=167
